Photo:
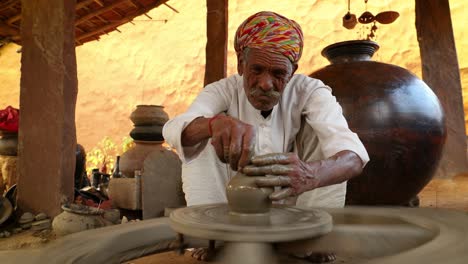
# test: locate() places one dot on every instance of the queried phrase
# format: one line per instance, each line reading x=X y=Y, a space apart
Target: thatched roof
x=93 y=17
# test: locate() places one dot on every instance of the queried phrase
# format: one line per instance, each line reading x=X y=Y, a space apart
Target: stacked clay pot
x=148 y=122
x=397 y=117
x=161 y=168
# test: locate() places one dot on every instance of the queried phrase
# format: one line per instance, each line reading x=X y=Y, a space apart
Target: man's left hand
x=285 y=170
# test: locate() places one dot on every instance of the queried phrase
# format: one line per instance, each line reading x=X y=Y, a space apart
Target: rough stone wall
x=153 y=62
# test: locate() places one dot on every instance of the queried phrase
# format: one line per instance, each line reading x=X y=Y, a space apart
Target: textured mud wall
x=153 y=62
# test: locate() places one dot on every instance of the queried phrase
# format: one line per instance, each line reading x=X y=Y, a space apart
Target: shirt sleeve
x=212 y=100
x=324 y=114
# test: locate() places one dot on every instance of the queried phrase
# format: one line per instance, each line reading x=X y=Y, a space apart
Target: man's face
x=265 y=76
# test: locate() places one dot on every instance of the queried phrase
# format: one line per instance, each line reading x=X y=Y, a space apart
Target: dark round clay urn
x=397 y=117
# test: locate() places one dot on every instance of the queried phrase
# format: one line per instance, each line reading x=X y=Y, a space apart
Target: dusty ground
x=446 y=193
x=27 y=239
x=439 y=193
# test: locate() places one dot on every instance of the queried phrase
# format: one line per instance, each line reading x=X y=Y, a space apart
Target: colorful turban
x=273 y=32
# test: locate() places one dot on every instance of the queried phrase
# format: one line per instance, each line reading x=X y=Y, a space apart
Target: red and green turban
x=271 y=31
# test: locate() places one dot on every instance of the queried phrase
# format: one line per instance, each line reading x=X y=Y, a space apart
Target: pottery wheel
x=282 y=223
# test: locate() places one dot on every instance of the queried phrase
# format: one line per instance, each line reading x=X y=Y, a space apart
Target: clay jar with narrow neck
x=396 y=115
x=245 y=197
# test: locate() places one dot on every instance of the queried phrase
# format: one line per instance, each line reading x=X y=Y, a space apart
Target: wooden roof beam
x=78 y=6
x=104 y=28
x=83 y=4
x=99 y=11
x=118 y=23
x=13 y=19
x=99 y=2
x=135 y=4
x=6 y=30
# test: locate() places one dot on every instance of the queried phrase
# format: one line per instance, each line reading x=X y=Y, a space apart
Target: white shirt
x=205 y=177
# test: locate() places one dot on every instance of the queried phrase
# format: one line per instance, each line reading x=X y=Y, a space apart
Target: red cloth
x=9 y=119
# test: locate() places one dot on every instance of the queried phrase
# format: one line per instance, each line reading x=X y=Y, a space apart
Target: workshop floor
x=446 y=193
x=439 y=193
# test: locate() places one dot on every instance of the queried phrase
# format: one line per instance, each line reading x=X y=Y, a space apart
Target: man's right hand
x=233 y=140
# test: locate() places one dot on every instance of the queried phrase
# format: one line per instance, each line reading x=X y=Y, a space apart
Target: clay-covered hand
x=284 y=170
x=233 y=140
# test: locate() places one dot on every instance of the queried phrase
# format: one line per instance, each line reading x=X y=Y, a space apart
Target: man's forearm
x=340 y=167
x=195 y=132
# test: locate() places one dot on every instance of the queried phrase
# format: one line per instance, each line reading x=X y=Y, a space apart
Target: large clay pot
x=9 y=144
x=146 y=115
x=77 y=218
x=133 y=159
x=244 y=197
x=396 y=115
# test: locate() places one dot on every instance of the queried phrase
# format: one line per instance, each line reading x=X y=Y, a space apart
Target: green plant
x=104 y=153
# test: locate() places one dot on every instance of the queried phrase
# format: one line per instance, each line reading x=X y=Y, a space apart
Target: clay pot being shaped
x=146 y=115
x=397 y=117
x=9 y=144
x=77 y=218
x=244 y=197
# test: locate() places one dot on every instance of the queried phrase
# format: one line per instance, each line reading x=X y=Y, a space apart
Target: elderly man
x=289 y=123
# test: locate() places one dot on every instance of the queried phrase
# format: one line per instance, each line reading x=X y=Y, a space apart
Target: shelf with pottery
x=150 y=173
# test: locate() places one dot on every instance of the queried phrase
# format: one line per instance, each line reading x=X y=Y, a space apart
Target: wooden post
x=440 y=71
x=216 y=45
x=47 y=136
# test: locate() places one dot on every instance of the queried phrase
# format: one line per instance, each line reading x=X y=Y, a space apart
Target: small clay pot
x=77 y=218
x=146 y=115
x=9 y=144
x=244 y=197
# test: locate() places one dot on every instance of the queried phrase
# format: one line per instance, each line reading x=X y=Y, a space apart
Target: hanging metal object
x=366 y=18
x=349 y=20
x=387 y=17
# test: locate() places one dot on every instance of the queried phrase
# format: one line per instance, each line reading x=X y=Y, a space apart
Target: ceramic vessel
x=9 y=144
x=145 y=115
x=77 y=218
x=162 y=170
x=133 y=159
x=397 y=117
x=147 y=133
x=244 y=197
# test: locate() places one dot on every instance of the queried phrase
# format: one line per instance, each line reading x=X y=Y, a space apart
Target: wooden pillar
x=47 y=136
x=217 y=35
x=440 y=71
